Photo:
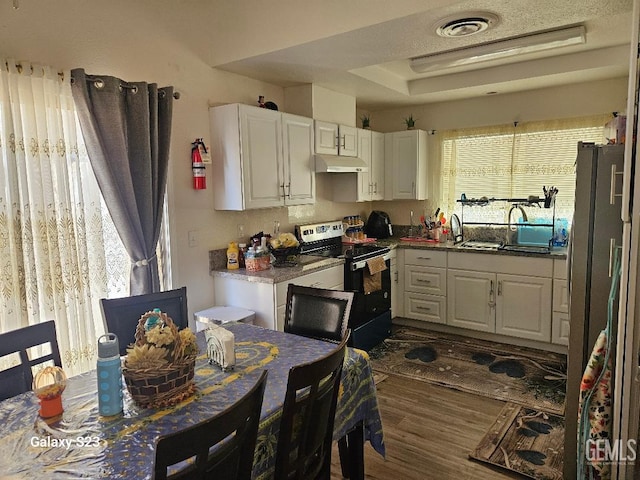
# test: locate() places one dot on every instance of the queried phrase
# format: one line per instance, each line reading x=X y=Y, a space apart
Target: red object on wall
x=199 y=176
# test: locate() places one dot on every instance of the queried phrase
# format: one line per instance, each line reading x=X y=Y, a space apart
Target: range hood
x=338 y=164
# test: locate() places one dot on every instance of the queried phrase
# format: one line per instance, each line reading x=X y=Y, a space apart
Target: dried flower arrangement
x=158 y=368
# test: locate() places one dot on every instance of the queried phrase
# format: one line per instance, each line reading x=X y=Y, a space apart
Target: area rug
x=526 y=441
x=529 y=377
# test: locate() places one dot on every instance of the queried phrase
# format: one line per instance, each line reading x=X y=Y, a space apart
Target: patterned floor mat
x=528 y=377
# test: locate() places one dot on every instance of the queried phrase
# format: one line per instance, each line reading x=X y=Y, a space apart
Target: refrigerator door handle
x=612 y=248
x=612 y=189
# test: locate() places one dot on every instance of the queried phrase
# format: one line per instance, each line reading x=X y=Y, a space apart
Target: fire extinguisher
x=197 y=165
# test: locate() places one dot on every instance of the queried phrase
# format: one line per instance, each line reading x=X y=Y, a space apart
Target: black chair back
x=122 y=314
x=317 y=312
x=19 y=379
x=232 y=432
x=306 y=426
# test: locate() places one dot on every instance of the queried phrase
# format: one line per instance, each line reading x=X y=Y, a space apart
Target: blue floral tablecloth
x=81 y=444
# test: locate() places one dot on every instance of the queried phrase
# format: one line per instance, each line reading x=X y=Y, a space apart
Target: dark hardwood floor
x=429 y=431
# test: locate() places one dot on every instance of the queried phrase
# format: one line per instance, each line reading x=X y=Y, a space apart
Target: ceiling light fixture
x=500 y=49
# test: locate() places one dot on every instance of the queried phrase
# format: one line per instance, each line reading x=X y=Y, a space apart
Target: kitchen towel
x=372 y=277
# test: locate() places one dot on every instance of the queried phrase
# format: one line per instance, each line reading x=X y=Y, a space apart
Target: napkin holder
x=220 y=347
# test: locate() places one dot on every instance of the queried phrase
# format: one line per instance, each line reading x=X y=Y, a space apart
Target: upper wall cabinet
x=406 y=165
x=334 y=139
x=261 y=158
x=363 y=186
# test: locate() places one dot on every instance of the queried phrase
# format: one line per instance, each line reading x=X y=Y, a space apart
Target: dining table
x=80 y=443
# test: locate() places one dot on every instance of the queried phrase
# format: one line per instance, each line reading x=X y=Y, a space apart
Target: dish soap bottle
x=232 y=256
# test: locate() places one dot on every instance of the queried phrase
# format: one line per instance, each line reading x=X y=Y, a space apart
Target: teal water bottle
x=109 y=373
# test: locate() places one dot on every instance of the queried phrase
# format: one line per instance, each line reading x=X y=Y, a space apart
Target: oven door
x=373 y=303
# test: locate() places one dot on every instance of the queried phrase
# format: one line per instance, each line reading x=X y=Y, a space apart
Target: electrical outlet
x=193 y=238
x=241 y=231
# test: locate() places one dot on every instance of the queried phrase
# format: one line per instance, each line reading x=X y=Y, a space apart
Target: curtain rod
x=99 y=83
x=19 y=67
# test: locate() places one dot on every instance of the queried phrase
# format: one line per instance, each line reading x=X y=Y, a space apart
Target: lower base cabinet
x=269 y=300
x=504 y=295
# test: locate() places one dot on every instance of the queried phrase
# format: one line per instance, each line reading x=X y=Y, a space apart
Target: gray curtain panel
x=127 y=129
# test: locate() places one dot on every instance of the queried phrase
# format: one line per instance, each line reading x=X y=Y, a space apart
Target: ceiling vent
x=470 y=24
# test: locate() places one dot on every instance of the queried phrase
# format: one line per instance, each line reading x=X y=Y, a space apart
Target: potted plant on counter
x=365 y=121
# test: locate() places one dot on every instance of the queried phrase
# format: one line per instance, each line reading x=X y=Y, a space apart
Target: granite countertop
x=393 y=242
x=308 y=264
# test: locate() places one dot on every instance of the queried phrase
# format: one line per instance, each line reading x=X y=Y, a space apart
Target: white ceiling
x=366 y=54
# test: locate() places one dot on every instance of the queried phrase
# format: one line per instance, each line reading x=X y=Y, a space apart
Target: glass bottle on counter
x=242 y=249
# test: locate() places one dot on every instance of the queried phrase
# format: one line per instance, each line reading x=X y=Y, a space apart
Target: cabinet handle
x=424 y=258
x=491 y=289
x=375 y=187
x=422 y=280
x=500 y=287
x=289 y=189
x=413 y=188
x=426 y=309
x=337 y=142
x=370 y=188
x=344 y=141
x=283 y=192
x=491 y=302
x=395 y=276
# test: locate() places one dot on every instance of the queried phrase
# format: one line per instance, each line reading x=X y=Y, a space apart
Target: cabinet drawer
x=430 y=308
x=426 y=258
x=327 y=278
x=425 y=280
x=560 y=328
x=560 y=296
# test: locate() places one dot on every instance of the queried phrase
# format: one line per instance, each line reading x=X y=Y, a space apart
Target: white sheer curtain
x=54 y=234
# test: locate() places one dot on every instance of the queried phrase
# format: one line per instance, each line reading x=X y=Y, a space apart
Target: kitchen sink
x=474 y=244
x=526 y=248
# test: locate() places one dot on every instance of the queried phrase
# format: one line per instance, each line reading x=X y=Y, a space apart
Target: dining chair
x=122 y=314
x=322 y=314
x=318 y=312
x=233 y=433
x=308 y=413
x=19 y=378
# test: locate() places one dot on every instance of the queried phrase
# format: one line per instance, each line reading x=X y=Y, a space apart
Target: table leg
x=351 y=449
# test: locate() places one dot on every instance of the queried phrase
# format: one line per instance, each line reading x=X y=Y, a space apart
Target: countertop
x=559 y=253
x=311 y=263
x=308 y=264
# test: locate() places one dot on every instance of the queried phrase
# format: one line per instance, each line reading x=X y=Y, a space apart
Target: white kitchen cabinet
x=471 y=300
x=268 y=300
x=523 y=306
x=560 y=316
x=261 y=158
x=425 y=285
x=363 y=186
x=406 y=165
x=335 y=139
x=500 y=294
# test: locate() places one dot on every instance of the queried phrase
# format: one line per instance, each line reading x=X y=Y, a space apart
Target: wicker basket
x=165 y=385
x=286 y=257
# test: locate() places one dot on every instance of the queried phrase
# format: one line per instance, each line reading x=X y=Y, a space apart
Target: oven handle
x=363 y=263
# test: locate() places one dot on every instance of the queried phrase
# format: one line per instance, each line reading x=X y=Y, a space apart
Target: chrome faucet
x=515 y=206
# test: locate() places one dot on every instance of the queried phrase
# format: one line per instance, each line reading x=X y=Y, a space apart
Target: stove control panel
x=319 y=231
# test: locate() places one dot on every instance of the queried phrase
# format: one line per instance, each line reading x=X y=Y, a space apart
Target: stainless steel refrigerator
x=595 y=234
